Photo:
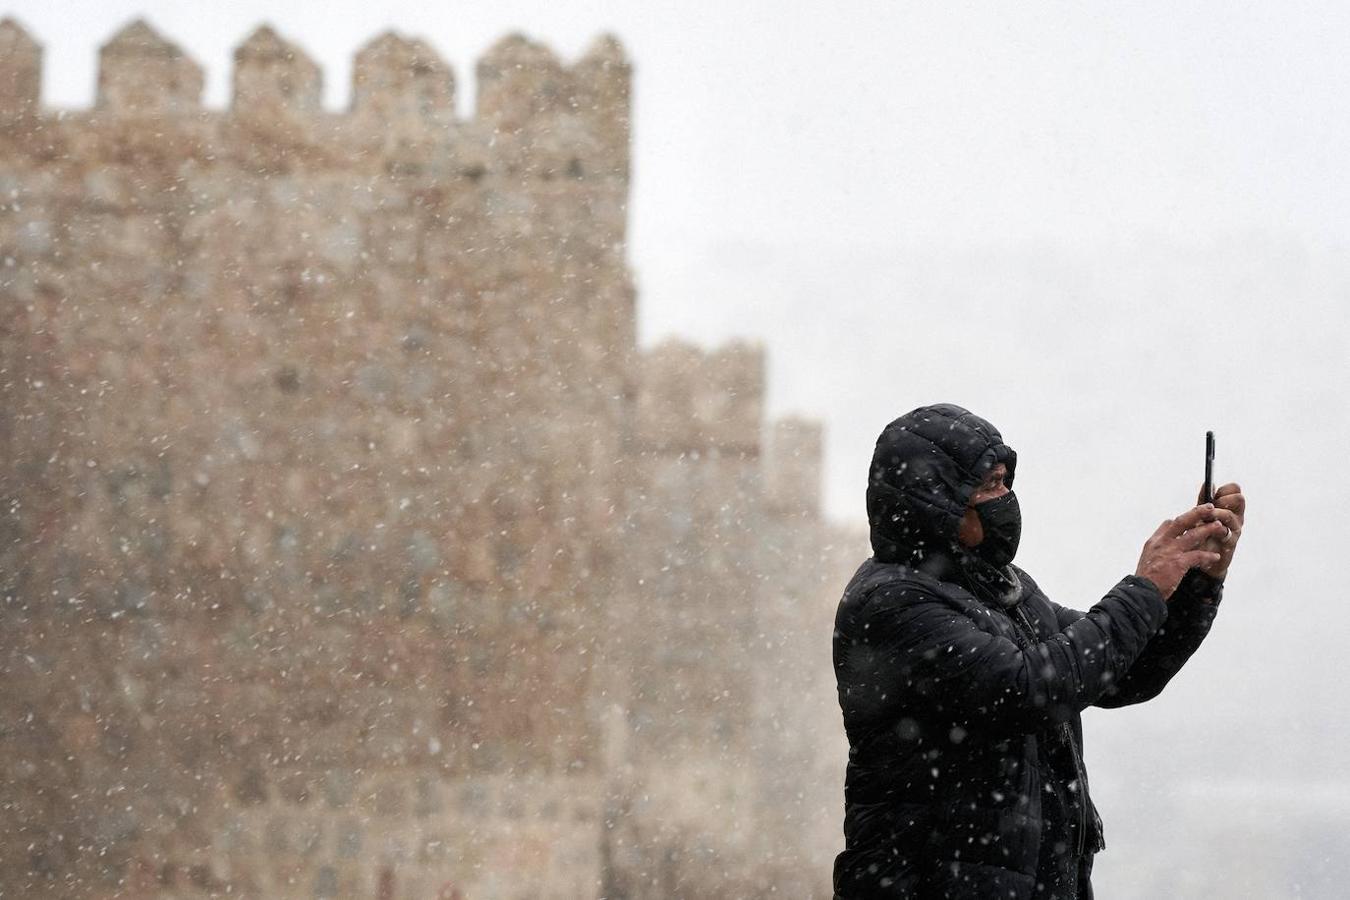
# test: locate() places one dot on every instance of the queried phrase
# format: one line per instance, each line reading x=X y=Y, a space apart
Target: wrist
x=1210 y=578
x=1204 y=587
x=1147 y=583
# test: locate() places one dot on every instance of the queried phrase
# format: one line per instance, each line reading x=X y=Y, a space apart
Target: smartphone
x=1208 y=490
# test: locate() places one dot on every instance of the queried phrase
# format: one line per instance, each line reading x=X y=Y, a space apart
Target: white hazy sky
x=1104 y=226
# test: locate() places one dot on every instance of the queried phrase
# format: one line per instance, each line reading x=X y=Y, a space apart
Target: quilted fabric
x=958 y=710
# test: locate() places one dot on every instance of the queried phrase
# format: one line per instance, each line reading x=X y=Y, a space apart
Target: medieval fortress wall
x=349 y=544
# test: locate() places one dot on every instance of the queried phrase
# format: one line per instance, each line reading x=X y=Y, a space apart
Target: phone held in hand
x=1208 y=491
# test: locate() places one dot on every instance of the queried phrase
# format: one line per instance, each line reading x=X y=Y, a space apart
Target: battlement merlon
x=272 y=75
x=538 y=116
x=397 y=79
x=695 y=401
x=20 y=72
x=793 y=466
x=537 y=108
x=140 y=73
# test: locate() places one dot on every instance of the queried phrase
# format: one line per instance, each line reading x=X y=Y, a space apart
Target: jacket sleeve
x=1191 y=611
x=915 y=649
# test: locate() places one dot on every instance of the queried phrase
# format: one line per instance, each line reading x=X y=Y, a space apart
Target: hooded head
x=926 y=465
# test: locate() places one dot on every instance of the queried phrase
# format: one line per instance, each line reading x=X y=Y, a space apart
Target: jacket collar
x=996 y=585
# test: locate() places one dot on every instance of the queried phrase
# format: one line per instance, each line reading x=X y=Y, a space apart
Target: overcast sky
x=1104 y=226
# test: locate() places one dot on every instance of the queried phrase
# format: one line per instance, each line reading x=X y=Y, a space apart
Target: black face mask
x=1001 y=519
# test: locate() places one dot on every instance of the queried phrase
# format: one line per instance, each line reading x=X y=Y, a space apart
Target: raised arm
x=1191 y=611
x=907 y=646
x=911 y=649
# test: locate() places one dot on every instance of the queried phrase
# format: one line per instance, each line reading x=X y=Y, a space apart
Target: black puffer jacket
x=959 y=704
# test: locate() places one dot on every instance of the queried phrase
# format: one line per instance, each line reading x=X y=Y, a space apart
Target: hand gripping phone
x=1207 y=492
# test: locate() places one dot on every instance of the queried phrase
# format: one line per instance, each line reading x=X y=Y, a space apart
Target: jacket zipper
x=1082 y=787
x=1067 y=731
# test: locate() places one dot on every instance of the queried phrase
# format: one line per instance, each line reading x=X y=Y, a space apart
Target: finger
x=1189 y=519
x=1200 y=557
x=1229 y=488
x=1228 y=517
x=1225 y=517
x=1209 y=534
x=1225 y=538
x=1202 y=533
x=1236 y=502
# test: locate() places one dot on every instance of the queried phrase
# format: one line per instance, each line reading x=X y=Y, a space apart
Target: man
x=961 y=684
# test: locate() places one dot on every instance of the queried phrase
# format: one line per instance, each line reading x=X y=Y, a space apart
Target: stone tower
x=352 y=547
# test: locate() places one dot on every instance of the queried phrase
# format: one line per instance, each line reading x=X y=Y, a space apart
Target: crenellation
x=403 y=108
x=690 y=401
x=521 y=88
x=552 y=120
x=141 y=73
x=735 y=393
x=20 y=72
x=397 y=80
x=606 y=58
x=519 y=80
x=272 y=75
x=603 y=91
x=537 y=117
x=792 y=466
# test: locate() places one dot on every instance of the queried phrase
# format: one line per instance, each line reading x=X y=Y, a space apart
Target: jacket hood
x=926 y=465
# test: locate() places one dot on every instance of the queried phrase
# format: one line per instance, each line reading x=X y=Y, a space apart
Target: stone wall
x=351 y=547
